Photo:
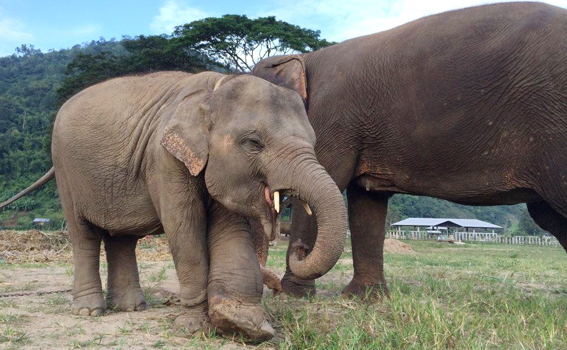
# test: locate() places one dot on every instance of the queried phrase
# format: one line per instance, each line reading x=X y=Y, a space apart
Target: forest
x=34 y=84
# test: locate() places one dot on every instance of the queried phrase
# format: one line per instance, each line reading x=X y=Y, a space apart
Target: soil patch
x=396 y=247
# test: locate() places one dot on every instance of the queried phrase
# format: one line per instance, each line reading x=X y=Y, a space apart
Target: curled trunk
x=310 y=182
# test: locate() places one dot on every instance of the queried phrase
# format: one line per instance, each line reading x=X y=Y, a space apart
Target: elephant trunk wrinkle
x=308 y=181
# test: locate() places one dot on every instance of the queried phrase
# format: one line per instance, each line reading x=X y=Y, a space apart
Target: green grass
x=443 y=297
x=161 y=275
x=11 y=338
x=75 y=329
x=12 y=319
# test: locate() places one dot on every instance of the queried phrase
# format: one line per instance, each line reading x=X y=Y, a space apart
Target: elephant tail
x=42 y=181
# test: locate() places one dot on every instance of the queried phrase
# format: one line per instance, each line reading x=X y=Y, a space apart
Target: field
x=442 y=297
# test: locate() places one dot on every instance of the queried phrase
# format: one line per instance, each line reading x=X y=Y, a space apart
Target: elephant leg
x=367 y=220
x=550 y=220
x=180 y=204
x=187 y=238
x=235 y=280
x=303 y=227
x=88 y=299
x=261 y=245
x=124 y=291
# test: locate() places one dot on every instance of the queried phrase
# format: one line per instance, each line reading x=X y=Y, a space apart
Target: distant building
x=438 y=224
x=41 y=221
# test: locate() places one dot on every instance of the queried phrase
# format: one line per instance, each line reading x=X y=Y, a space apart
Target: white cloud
x=174 y=13
x=85 y=30
x=339 y=20
x=12 y=34
x=13 y=30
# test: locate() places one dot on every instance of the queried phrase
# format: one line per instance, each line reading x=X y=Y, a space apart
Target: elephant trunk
x=309 y=182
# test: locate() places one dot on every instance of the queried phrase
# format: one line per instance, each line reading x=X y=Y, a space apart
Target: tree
x=160 y=52
x=27 y=51
x=238 y=43
x=88 y=69
x=143 y=54
x=527 y=226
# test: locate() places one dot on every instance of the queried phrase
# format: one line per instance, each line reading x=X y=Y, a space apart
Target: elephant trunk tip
x=299 y=251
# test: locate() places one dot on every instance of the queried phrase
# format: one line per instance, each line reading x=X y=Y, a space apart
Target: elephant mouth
x=277 y=200
x=280 y=199
x=269 y=197
x=270 y=221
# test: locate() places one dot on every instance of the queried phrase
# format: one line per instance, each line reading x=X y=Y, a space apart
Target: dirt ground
x=37 y=264
x=35 y=282
x=397 y=247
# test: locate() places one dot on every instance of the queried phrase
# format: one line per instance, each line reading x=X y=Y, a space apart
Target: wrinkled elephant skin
x=468 y=106
x=196 y=157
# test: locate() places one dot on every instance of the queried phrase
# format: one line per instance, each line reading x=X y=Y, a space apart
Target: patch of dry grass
x=34 y=246
x=18 y=247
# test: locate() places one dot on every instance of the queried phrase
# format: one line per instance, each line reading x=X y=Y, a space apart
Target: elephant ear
x=287 y=71
x=186 y=134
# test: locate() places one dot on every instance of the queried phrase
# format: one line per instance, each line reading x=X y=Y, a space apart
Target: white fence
x=476 y=236
x=484 y=237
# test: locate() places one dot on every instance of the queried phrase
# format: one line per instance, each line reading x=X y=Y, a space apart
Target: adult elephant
x=468 y=106
x=191 y=156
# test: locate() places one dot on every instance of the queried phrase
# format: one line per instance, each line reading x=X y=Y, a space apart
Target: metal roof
x=36 y=220
x=432 y=222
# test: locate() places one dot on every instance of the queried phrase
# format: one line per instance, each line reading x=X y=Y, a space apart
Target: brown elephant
x=193 y=156
x=468 y=106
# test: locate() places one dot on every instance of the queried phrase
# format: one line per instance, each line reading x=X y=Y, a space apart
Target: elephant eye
x=252 y=144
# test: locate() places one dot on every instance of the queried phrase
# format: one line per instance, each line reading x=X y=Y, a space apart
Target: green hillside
x=29 y=80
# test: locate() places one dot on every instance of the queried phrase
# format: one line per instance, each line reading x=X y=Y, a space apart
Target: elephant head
x=253 y=141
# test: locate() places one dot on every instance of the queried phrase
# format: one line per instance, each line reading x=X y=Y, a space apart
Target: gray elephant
x=193 y=156
x=468 y=106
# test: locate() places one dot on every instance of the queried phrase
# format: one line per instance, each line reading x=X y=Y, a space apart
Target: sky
x=58 y=24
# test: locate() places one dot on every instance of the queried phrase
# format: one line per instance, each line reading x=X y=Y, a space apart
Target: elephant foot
x=271 y=280
x=365 y=291
x=192 y=321
x=88 y=305
x=131 y=300
x=232 y=317
x=297 y=287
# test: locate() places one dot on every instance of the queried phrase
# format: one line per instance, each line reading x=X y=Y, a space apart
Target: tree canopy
x=228 y=43
x=142 y=54
x=238 y=43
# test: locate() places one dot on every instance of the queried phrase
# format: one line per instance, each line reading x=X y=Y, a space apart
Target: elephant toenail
x=84 y=311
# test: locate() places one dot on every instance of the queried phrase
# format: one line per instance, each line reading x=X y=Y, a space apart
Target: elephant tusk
x=277 y=201
x=307 y=209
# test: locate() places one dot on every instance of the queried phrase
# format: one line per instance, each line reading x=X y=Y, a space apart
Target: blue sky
x=57 y=24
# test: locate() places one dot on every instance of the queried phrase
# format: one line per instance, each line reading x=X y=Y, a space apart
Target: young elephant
x=191 y=156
